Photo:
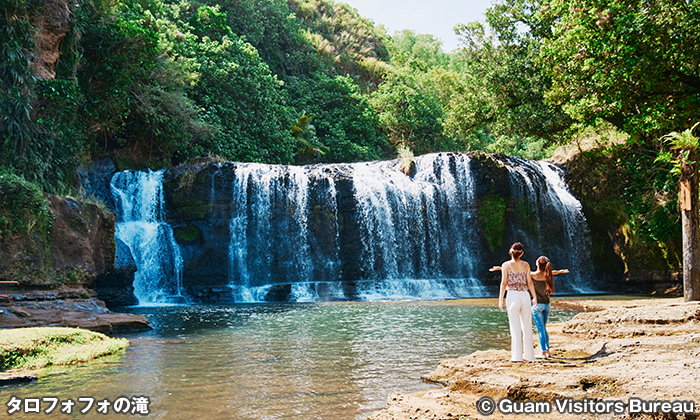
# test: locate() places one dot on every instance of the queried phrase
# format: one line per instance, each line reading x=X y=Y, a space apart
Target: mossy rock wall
x=629 y=200
x=78 y=247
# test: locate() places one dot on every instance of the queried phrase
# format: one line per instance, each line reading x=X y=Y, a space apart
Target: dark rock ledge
x=9 y=378
x=77 y=308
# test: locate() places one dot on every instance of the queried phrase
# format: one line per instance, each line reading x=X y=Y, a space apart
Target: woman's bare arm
x=504 y=283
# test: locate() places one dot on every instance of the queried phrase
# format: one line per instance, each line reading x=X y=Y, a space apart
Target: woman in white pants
x=516 y=279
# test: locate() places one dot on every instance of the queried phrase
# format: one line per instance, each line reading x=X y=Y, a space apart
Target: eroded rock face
x=54 y=21
x=82 y=239
x=83 y=251
x=79 y=247
x=79 y=252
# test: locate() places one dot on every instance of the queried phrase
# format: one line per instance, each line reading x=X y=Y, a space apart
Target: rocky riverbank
x=77 y=308
x=642 y=349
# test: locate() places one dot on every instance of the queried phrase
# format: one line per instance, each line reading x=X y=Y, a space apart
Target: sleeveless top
x=517 y=282
x=541 y=290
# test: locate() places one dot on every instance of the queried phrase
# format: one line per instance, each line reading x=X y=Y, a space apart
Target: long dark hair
x=516 y=250
x=545 y=266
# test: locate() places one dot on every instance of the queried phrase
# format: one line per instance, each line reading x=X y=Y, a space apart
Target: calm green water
x=276 y=361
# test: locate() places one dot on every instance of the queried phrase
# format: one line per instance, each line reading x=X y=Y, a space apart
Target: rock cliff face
x=79 y=252
x=54 y=20
x=82 y=240
x=631 y=218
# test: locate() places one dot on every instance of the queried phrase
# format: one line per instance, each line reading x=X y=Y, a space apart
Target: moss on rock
x=492 y=216
x=34 y=348
x=187 y=233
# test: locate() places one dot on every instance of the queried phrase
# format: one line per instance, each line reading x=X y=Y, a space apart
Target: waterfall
x=542 y=198
x=269 y=233
x=575 y=228
x=249 y=232
x=138 y=198
x=417 y=231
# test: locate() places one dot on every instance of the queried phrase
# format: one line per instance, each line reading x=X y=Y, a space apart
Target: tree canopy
x=633 y=63
x=156 y=83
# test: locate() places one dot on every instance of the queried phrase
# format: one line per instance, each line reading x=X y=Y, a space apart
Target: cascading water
x=261 y=194
x=542 y=197
x=366 y=231
x=417 y=231
x=138 y=198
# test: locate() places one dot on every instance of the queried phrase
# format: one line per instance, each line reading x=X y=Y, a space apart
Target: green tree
x=323 y=52
x=181 y=85
x=39 y=134
x=344 y=120
x=633 y=63
x=241 y=98
x=504 y=81
x=276 y=33
x=411 y=116
x=686 y=164
x=348 y=43
x=135 y=85
x=407 y=46
x=308 y=146
x=17 y=76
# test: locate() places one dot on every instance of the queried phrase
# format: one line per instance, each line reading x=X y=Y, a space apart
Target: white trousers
x=520 y=319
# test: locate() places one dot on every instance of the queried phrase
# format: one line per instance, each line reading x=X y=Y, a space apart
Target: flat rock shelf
x=643 y=349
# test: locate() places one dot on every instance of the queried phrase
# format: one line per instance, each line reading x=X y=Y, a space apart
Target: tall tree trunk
x=690 y=209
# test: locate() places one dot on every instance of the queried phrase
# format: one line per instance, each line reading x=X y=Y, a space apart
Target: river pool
x=275 y=361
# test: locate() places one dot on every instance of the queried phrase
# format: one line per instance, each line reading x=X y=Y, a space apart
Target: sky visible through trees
x=437 y=17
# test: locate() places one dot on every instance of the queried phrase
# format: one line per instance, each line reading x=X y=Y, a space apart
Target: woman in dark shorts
x=543 y=279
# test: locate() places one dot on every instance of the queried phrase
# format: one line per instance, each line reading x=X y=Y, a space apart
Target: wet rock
x=90 y=314
x=9 y=378
x=116 y=287
x=279 y=293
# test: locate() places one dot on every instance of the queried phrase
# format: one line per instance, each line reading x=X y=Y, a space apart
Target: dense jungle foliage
x=154 y=83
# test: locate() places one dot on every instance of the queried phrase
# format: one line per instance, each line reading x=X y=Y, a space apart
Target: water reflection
x=281 y=361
